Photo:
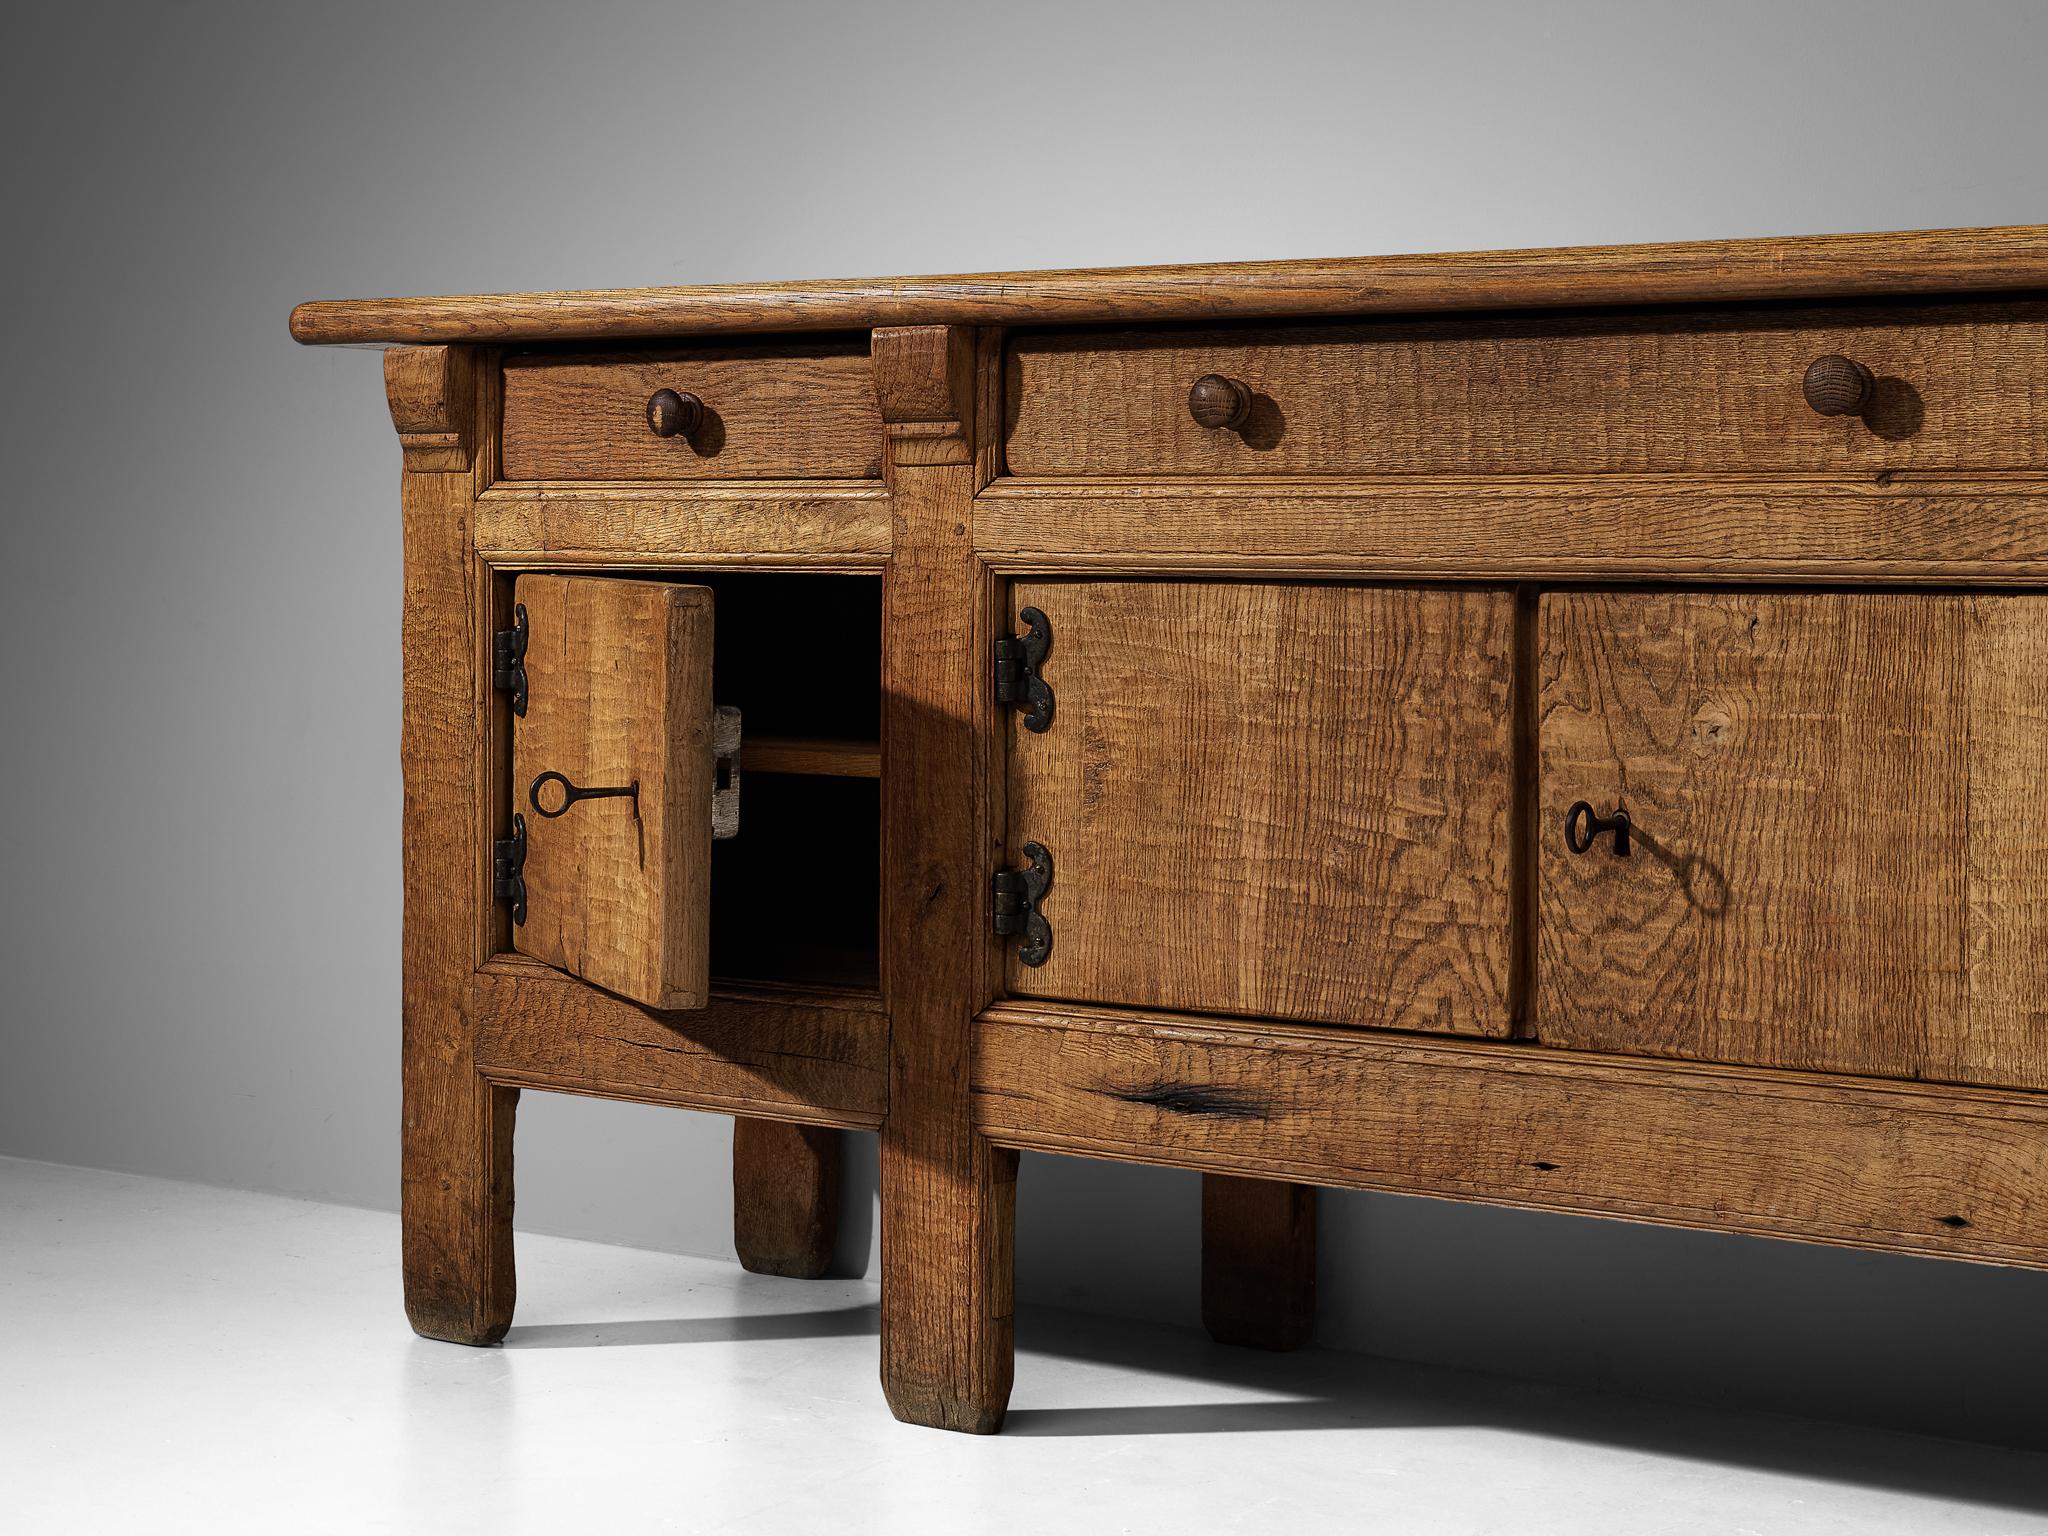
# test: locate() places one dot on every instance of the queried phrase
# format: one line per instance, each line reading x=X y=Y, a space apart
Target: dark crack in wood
x=1193 y=1099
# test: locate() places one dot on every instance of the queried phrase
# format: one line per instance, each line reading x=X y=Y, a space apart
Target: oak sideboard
x=1564 y=729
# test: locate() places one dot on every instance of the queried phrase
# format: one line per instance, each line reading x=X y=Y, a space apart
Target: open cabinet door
x=618 y=700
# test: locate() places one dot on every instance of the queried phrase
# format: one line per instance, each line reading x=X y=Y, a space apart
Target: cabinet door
x=618 y=687
x=1839 y=830
x=1273 y=799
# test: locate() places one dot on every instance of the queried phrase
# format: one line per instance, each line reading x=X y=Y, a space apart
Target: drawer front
x=1273 y=799
x=791 y=412
x=1838 y=812
x=1952 y=387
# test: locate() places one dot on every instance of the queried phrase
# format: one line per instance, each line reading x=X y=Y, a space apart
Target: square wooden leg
x=785 y=1197
x=1258 y=1262
x=456 y=1155
x=948 y=1196
x=948 y=1285
x=456 y=1204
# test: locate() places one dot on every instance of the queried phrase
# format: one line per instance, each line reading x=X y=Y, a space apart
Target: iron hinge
x=508 y=869
x=1017 y=660
x=1017 y=895
x=508 y=659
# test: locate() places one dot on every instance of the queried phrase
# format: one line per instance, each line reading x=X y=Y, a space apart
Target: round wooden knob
x=1838 y=386
x=670 y=414
x=1215 y=401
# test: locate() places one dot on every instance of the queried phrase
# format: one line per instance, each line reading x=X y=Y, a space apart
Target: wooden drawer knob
x=1838 y=386
x=673 y=414
x=1216 y=402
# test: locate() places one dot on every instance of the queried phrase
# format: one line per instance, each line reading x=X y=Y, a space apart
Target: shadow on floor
x=1327 y=1390
x=830 y=1323
x=1323 y=1389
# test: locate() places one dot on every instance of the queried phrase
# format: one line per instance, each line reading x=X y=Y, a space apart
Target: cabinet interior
x=796 y=896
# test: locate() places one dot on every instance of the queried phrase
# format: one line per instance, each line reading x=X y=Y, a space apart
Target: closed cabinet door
x=614 y=773
x=1285 y=800
x=1835 y=853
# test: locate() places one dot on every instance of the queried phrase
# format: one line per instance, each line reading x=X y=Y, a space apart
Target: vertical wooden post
x=456 y=1158
x=948 y=1196
x=785 y=1197
x=1258 y=1261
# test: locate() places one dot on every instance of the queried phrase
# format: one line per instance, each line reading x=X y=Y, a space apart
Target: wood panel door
x=1838 y=809
x=1273 y=799
x=618 y=696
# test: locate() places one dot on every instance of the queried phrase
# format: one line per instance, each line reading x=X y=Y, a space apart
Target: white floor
x=179 y=1358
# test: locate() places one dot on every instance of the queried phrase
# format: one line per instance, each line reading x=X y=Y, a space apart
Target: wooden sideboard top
x=1804 y=267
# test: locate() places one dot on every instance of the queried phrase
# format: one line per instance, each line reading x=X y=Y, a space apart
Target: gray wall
x=199 y=888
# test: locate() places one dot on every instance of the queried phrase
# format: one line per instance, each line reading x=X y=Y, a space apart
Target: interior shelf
x=796 y=897
x=823 y=756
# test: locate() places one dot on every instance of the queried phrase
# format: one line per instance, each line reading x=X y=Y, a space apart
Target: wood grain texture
x=1960 y=387
x=817 y=757
x=926 y=378
x=1804 y=267
x=456 y=1146
x=1841 y=856
x=798 y=410
x=2005 y=859
x=1258 y=1261
x=432 y=395
x=1283 y=800
x=618 y=890
x=1621 y=527
x=813 y=1054
x=948 y=1235
x=773 y=524
x=1961 y=1173
x=785 y=1197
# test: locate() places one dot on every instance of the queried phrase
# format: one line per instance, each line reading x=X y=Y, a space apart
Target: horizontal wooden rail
x=1510 y=528
x=808 y=525
x=815 y=1055
x=1850 y=1161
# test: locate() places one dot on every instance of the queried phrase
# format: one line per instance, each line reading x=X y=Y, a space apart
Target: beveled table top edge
x=2013 y=258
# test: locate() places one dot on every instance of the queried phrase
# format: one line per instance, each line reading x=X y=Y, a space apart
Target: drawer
x=1838 y=840
x=1272 y=799
x=1950 y=387
x=787 y=412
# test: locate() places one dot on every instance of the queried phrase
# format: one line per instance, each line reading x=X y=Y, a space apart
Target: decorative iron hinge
x=1017 y=661
x=508 y=659
x=1017 y=895
x=508 y=869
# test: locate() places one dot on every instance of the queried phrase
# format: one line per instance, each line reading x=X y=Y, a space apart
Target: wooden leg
x=455 y=1199
x=1258 y=1262
x=456 y=1205
x=948 y=1246
x=785 y=1197
x=948 y=1196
